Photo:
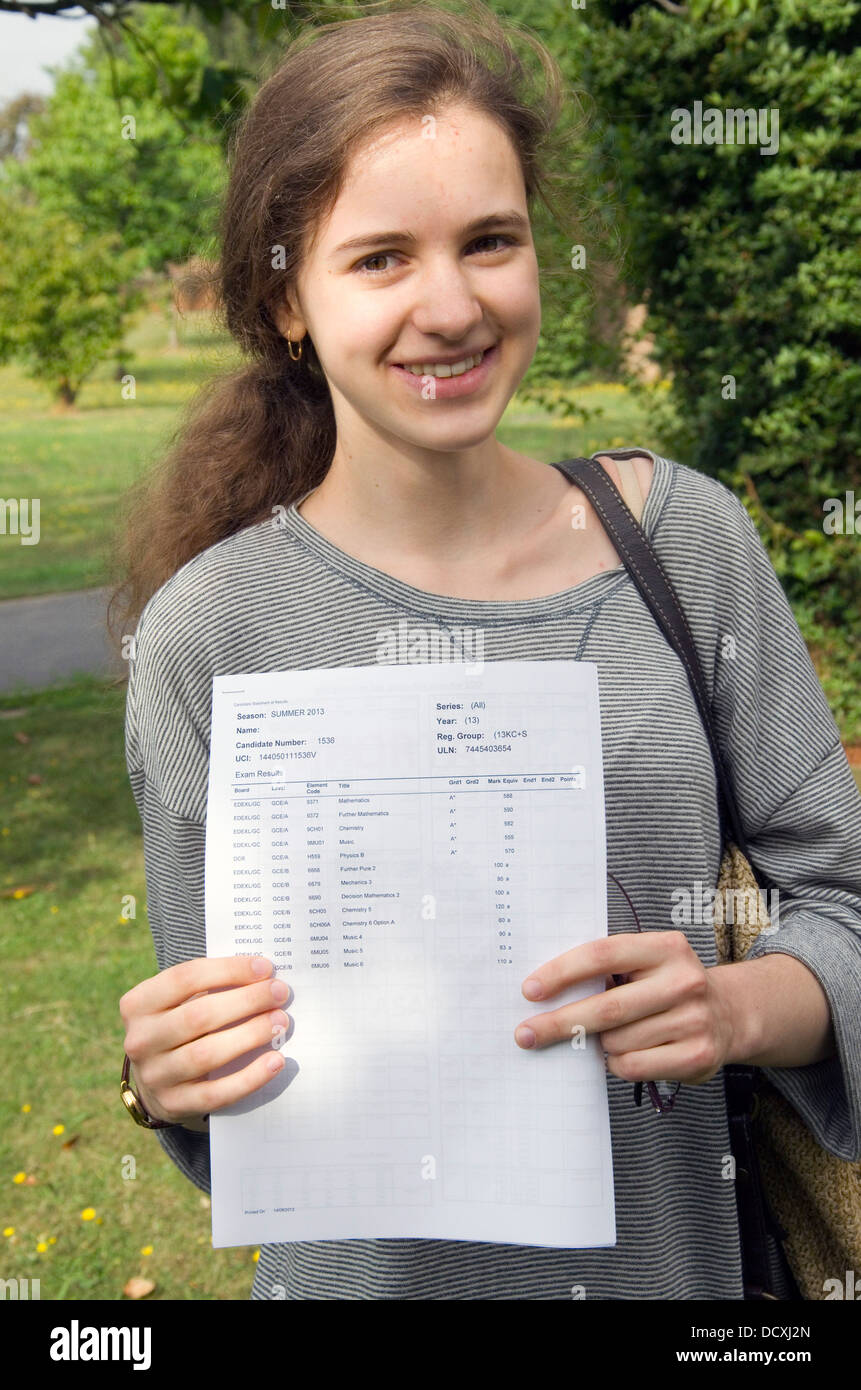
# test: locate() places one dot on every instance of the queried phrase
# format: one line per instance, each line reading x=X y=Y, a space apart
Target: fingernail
x=533 y=988
x=261 y=967
x=525 y=1037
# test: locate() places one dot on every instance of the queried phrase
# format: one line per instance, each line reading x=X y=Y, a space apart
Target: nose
x=445 y=303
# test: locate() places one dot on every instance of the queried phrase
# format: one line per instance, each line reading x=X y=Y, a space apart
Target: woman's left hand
x=668 y=1020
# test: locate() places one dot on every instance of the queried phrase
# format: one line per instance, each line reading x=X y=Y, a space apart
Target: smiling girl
x=378 y=266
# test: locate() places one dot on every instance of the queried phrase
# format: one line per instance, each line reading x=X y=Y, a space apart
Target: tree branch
x=59 y=7
x=104 y=20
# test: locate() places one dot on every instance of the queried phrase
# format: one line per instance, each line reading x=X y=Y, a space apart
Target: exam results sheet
x=407 y=843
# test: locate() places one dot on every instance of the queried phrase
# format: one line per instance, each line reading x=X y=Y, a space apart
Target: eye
x=495 y=236
x=384 y=255
x=377 y=256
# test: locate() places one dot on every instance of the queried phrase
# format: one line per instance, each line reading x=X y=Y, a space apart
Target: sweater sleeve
x=801 y=814
x=174 y=844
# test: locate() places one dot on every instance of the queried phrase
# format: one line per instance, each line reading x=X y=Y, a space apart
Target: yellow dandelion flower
x=59 y=1129
x=5 y=830
x=88 y=1213
x=99 y=1220
x=55 y=909
x=9 y=1231
x=41 y=1247
x=146 y=1249
x=52 y=1240
x=26 y=1109
x=19 y=893
x=256 y=1256
x=20 y=1177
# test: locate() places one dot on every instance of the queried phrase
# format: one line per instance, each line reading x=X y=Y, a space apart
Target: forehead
x=425 y=169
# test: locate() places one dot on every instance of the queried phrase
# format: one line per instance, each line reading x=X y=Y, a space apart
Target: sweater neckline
x=408 y=596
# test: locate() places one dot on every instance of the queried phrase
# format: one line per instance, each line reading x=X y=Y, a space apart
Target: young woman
x=378 y=265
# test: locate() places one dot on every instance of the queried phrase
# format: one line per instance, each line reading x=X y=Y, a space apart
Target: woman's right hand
x=195 y=1017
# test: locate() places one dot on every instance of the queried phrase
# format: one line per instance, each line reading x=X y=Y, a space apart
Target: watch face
x=133 y=1105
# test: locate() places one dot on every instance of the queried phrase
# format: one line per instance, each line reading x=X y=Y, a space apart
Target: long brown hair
x=265 y=434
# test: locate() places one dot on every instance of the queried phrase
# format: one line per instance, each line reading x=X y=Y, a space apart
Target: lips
x=451 y=386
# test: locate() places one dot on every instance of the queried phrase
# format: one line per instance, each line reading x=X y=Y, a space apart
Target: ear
x=286 y=320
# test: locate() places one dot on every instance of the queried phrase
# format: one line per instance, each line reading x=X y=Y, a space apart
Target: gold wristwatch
x=135 y=1105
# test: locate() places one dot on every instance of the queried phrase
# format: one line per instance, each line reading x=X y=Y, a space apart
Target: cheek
x=519 y=306
x=524 y=325
x=354 y=343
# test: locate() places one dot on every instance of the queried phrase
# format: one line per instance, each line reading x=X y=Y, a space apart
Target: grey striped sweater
x=279 y=597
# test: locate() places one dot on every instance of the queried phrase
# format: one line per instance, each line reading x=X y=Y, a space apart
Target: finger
x=181 y=982
x=621 y=953
x=202 y=1015
x=686 y=1061
x=600 y=1013
x=674 y=1025
x=194 y=1060
x=205 y=1096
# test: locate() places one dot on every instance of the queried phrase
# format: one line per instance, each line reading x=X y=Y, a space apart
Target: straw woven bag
x=815 y=1196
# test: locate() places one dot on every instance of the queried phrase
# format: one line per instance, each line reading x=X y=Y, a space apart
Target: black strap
x=647 y=572
x=755 y=1219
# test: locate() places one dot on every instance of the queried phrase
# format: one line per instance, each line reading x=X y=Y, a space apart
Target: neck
x=434 y=505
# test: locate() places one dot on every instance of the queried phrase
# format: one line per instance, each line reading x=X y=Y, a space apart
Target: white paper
x=407 y=843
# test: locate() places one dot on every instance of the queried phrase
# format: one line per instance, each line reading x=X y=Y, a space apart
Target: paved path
x=48 y=639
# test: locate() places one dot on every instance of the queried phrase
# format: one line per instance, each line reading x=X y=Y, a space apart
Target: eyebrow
x=511 y=218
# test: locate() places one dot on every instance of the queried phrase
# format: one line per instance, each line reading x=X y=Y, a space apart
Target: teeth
x=444 y=369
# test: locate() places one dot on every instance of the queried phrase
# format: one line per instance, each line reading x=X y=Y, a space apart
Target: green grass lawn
x=74 y=838
x=80 y=463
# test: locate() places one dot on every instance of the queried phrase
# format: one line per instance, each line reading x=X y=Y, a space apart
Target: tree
x=243 y=35
x=14 y=133
x=63 y=294
x=750 y=263
x=108 y=153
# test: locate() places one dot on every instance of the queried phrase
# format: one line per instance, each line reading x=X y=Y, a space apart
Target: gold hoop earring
x=290 y=349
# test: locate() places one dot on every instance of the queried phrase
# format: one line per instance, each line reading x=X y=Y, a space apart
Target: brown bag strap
x=647 y=572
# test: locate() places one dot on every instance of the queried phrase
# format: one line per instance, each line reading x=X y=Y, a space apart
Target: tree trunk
x=66 y=395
